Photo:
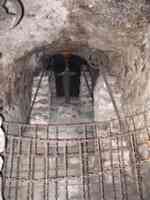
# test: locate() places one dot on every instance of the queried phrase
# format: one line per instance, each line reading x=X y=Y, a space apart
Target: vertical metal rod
x=18 y=162
x=91 y=75
x=88 y=86
x=112 y=166
x=66 y=169
x=30 y=172
x=133 y=160
x=131 y=151
x=12 y=146
x=82 y=168
x=101 y=164
x=120 y=154
x=35 y=153
x=86 y=165
x=120 y=169
x=123 y=169
x=36 y=144
x=48 y=167
x=56 y=164
x=46 y=170
x=137 y=163
x=33 y=168
x=35 y=95
x=97 y=155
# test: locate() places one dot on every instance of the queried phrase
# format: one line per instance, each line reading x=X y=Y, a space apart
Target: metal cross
x=66 y=77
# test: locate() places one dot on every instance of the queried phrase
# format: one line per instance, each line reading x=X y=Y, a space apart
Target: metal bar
x=120 y=154
x=97 y=155
x=120 y=169
x=48 y=165
x=68 y=140
x=56 y=164
x=33 y=169
x=101 y=164
x=11 y=167
x=61 y=124
x=112 y=167
x=91 y=75
x=137 y=162
x=35 y=95
x=30 y=173
x=133 y=159
x=131 y=148
x=26 y=138
x=66 y=170
x=82 y=169
x=18 y=163
x=46 y=170
x=123 y=168
x=86 y=165
x=88 y=86
x=74 y=123
x=36 y=141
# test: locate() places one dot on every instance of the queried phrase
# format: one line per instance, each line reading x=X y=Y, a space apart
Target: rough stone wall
x=15 y=94
x=41 y=24
x=121 y=27
x=107 y=25
x=103 y=106
x=113 y=26
x=135 y=78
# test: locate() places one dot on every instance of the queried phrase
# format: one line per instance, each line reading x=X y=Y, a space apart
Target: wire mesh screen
x=101 y=162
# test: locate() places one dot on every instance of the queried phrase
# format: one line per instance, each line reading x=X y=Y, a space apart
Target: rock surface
x=118 y=28
x=115 y=33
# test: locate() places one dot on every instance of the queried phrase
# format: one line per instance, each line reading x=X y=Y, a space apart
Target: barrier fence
x=79 y=161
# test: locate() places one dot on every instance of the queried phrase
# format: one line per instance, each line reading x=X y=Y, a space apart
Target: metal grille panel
x=101 y=162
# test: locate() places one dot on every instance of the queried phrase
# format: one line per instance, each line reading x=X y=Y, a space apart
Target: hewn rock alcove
x=94 y=144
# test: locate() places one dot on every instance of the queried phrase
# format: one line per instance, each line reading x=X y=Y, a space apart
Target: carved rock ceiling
x=121 y=28
x=106 y=24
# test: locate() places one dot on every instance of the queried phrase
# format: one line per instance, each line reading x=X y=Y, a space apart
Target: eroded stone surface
x=120 y=28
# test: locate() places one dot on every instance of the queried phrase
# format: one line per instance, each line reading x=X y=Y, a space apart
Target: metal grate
x=99 y=163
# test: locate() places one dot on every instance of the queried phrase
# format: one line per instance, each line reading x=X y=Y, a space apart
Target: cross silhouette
x=66 y=77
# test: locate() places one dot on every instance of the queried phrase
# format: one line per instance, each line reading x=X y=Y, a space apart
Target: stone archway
x=121 y=67
x=19 y=95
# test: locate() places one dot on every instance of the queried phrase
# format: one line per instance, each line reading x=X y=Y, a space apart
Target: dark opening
x=74 y=65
